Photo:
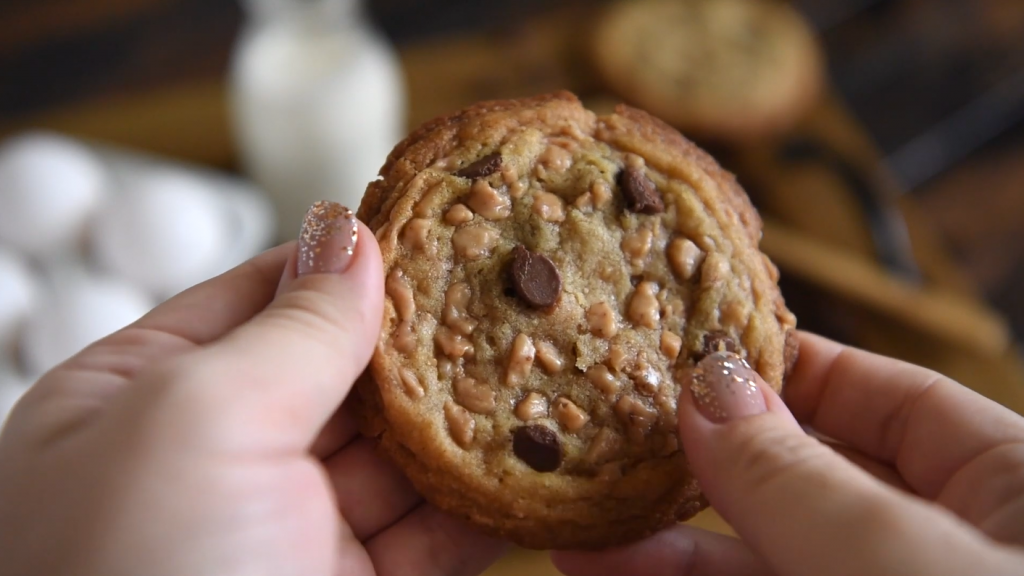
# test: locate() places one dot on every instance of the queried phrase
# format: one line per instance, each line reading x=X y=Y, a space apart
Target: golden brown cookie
x=550 y=274
x=730 y=70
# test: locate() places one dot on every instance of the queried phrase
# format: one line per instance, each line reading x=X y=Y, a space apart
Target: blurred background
x=894 y=202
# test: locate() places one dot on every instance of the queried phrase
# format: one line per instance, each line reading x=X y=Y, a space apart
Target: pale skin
x=207 y=439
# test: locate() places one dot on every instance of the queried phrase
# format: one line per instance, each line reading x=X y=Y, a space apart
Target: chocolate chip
x=537 y=446
x=482 y=168
x=640 y=192
x=717 y=341
x=534 y=278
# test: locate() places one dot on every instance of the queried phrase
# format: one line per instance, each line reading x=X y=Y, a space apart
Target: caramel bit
x=446 y=369
x=555 y=159
x=637 y=246
x=474 y=242
x=520 y=360
x=455 y=316
x=671 y=344
x=646 y=378
x=488 y=202
x=548 y=207
x=635 y=162
x=606 y=445
x=482 y=168
x=715 y=270
x=458 y=214
x=584 y=202
x=733 y=314
x=639 y=191
x=411 y=383
x=643 y=307
x=461 y=424
x=404 y=339
x=414 y=236
x=685 y=257
x=601 y=192
x=569 y=415
x=534 y=278
x=453 y=345
x=549 y=357
x=475 y=396
x=538 y=447
x=601 y=319
x=510 y=176
x=636 y=416
x=531 y=407
x=398 y=289
x=617 y=357
x=602 y=379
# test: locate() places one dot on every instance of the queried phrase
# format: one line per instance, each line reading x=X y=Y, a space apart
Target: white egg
x=12 y=387
x=18 y=288
x=74 y=312
x=49 y=186
x=169 y=232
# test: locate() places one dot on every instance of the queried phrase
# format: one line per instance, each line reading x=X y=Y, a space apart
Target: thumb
x=281 y=375
x=801 y=506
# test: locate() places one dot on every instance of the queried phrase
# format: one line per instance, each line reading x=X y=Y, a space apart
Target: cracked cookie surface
x=551 y=274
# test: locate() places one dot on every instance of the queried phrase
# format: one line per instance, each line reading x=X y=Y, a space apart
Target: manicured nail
x=328 y=239
x=724 y=388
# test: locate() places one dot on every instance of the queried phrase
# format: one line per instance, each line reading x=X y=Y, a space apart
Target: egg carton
x=93 y=236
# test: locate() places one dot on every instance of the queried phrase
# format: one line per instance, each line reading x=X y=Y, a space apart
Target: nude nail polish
x=327 y=243
x=725 y=387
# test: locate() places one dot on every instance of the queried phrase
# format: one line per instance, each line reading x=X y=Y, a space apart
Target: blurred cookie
x=728 y=70
x=550 y=274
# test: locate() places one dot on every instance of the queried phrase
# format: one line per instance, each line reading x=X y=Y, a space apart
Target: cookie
x=550 y=276
x=728 y=70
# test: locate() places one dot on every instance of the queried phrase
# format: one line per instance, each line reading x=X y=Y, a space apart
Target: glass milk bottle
x=318 y=102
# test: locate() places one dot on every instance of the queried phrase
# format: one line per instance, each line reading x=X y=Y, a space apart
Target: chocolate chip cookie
x=731 y=70
x=550 y=275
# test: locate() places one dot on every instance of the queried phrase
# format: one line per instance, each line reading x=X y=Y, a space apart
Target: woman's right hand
x=926 y=477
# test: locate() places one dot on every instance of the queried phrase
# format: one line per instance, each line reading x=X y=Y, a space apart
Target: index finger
x=927 y=425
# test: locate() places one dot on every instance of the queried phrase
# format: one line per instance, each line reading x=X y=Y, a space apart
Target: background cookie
x=550 y=274
x=722 y=69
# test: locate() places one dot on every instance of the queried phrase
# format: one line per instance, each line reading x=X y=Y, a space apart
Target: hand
x=937 y=489
x=206 y=439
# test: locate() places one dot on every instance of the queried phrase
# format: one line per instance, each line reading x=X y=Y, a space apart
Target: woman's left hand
x=210 y=437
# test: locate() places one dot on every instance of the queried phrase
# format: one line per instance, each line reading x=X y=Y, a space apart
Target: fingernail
x=724 y=388
x=328 y=239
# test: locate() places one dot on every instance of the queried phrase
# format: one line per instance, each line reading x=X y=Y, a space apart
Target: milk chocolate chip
x=538 y=447
x=716 y=341
x=640 y=193
x=534 y=278
x=482 y=168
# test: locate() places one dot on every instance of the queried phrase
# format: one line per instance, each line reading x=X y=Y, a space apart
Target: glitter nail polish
x=725 y=387
x=328 y=239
